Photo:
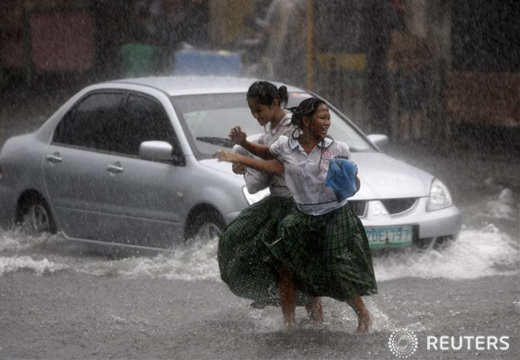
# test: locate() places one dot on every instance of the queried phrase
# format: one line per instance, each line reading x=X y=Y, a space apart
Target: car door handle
x=115 y=168
x=54 y=158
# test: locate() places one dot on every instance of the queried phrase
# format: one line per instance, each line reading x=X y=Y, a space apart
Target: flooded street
x=61 y=301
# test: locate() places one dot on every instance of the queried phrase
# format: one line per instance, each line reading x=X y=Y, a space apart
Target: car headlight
x=440 y=196
x=256 y=197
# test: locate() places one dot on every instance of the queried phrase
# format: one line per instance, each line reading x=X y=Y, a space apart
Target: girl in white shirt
x=243 y=256
x=322 y=247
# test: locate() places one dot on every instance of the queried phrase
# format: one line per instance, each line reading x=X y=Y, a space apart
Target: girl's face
x=264 y=114
x=318 y=126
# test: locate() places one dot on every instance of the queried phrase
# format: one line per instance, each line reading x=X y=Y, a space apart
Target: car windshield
x=208 y=118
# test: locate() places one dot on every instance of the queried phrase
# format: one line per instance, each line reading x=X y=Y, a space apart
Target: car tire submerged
x=34 y=215
x=204 y=225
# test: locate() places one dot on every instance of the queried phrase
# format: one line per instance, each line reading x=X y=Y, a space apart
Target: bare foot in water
x=365 y=321
x=315 y=310
x=289 y=326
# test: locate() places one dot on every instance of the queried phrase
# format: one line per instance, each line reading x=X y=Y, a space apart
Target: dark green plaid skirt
x=245 y=262
x=327 y=255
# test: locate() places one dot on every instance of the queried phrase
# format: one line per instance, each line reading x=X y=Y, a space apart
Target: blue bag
x=341 y=178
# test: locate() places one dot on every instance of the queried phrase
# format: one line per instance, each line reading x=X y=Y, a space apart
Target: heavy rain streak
x=440 y=79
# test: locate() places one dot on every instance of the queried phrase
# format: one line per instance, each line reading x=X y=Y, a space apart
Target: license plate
x=396 y=236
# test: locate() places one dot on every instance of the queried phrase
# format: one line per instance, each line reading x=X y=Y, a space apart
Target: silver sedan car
x=131 y=163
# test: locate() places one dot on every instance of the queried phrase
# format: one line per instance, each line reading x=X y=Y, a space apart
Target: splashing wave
x=476 y=253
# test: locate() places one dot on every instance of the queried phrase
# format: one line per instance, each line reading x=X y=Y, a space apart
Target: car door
x=74 y=164
x=147 y=205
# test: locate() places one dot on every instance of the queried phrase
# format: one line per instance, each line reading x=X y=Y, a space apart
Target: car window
x=105 y=121
x=92 y=123
x=208 y=118
x=144 y=119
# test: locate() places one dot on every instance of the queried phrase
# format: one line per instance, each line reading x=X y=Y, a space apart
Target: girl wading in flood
x=321 y=248
x=244 y=258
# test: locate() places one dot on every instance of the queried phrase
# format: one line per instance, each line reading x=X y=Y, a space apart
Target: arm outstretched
x=269 y=166
x=240 y=138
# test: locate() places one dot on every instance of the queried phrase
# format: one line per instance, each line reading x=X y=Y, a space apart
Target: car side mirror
x=155 y=151
x=379 y=140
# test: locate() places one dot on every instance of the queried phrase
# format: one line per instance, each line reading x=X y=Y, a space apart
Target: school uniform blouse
x=305 y=174
x=277 y=185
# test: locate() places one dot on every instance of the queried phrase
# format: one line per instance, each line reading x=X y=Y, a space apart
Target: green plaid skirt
x=245 y=262
x=327 y=255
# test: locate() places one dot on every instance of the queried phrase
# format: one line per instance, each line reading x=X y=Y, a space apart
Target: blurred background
x=436 y=72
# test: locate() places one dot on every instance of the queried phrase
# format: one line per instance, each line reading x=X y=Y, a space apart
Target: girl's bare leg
x=315 y=310
x=288 y=298
x=364 y=316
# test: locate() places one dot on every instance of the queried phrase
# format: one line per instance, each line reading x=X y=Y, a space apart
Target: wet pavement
x=69 y=315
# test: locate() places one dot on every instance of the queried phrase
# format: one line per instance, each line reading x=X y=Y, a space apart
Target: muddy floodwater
x=61 y=301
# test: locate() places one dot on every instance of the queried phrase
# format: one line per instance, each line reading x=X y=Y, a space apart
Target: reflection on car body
x=130 y=163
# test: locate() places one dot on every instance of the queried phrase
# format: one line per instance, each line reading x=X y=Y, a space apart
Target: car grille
x=396 y=206
x=393 y=206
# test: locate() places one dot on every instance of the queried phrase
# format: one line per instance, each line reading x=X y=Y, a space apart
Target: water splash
x=476 y=253
x=40 y=267
x=50 y=253
x=196 y=262
x=480 y=250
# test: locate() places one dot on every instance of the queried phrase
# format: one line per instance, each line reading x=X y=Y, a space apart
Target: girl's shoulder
x=282 y=139
x=340 y=149
x=280 y=145
x=286 y=120
x=285 y=127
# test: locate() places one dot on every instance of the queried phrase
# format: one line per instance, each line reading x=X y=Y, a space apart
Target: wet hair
x=265 y=93
x=307 y=108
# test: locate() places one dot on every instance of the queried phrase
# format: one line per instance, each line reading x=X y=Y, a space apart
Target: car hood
x=382 y=177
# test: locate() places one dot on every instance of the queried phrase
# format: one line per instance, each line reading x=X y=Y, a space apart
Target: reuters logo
x=402 y=343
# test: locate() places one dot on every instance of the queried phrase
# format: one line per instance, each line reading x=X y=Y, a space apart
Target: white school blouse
x=305 y=174
x=278 y=186
x=257 y=180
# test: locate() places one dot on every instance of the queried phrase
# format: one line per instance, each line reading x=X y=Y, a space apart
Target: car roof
x=190 y=85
